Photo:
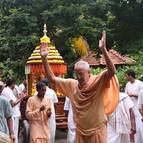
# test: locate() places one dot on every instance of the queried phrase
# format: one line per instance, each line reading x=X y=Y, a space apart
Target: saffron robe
x=91 y=104
x=38 y=121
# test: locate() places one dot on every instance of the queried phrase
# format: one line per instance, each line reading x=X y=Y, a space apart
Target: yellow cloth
x=91 y=101
x=38 y=121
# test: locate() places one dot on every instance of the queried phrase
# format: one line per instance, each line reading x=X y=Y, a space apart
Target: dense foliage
x=21 y=24
x=137 y=67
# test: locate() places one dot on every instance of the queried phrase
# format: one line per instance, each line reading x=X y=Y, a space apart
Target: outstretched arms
x=102 y=45
x=110 y=66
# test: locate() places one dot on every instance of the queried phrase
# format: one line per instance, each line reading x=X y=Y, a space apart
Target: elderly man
x=92 y=97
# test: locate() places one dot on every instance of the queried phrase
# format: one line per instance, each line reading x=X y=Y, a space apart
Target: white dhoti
x=139 y=122
x=114 y=137
x=71 y=136
x=71 y=124
x=139 y=125
x=15 y=128
x=52 y=127
x=119 y=123
x=139 y=131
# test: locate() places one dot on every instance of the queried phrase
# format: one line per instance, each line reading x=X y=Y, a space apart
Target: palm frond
x=81 y=46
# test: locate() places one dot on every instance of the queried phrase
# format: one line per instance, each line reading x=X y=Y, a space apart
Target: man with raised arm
x=92 y=97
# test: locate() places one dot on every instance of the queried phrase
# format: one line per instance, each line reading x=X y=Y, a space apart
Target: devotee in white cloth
x=140 y=107
x=140 y=102
x=133 y=88
x=52 y=121
x=71 y=124
x=8 y=93
x=119 y=124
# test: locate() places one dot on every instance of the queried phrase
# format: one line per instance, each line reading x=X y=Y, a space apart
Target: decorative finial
x=45 y=38
x=45 y=30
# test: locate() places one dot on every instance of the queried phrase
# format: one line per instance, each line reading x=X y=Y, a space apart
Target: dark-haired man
x=133 y=88
x=52 y=121
x=8 y=93
x=38 y=112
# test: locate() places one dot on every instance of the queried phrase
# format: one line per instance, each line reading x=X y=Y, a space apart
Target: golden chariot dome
x=54 y=58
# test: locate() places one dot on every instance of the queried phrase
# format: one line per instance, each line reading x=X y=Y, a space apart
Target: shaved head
x=82 y=65
x=82 y=72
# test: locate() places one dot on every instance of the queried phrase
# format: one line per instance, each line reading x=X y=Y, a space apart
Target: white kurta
x=119 y=123
x=135 y=88
x=52 y=122
x=71 y=124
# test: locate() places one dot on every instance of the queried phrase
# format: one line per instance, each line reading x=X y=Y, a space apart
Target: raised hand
x=102 y=42
x=44 y=49
x=110 y=66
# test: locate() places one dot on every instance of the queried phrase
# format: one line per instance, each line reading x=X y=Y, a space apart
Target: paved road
x=61 y=136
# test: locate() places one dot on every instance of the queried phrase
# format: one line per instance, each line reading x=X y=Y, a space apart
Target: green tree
x=21 y=25
x=70 y=18
x=127 y=25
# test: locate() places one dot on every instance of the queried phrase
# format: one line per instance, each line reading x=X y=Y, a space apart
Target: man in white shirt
x=71 y=124
x=133 y=88
x=119 y=124
x=52 y=121
x=8 y=93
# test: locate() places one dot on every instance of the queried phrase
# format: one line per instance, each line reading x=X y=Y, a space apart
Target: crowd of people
x=98 y=112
